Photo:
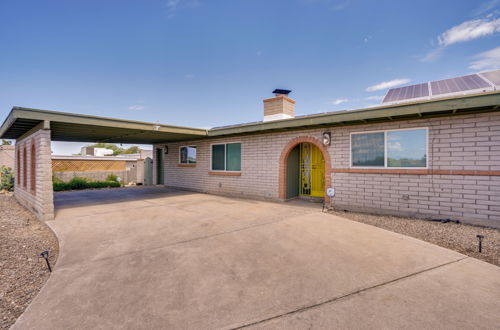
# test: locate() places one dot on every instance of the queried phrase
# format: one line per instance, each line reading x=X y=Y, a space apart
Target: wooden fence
x=70 y=165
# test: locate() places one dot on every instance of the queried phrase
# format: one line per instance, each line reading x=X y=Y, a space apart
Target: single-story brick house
x=434 y=155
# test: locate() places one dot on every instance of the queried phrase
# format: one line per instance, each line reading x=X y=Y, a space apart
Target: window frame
x=385 y=131
x=225 y=156
x=187 y=159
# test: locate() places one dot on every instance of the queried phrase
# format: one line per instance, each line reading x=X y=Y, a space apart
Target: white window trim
x=225 y=158
x=385 y=148
x=188 y=146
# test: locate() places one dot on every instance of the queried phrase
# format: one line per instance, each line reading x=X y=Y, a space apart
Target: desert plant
x=6 y=178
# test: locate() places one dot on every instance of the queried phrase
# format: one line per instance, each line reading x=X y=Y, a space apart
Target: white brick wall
x=466 y=142
x=41 y=203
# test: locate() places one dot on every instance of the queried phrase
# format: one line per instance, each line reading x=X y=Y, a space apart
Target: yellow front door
x=312 y=171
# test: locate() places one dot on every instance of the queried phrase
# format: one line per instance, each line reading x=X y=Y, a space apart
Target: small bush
x=78 y=183
x=61 y=186
x=6 y=178
x=112 y=177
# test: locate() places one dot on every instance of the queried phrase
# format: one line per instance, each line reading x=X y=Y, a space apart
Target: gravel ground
x=22 y=271
x=458 y=237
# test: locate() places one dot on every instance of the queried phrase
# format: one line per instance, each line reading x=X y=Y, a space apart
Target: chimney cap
x=282 y=91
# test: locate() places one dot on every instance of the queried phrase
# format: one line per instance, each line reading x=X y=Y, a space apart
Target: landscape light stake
x=45 y=255
x=480 y=237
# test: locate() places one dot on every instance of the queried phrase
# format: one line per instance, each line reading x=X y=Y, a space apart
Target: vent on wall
x=470 y=84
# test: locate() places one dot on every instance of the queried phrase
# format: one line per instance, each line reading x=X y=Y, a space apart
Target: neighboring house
x=93 y=151
x=429 y=150
x=7 y=156
x=129 y=168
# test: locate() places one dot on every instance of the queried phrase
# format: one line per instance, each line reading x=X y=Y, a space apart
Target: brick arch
x=284 y=157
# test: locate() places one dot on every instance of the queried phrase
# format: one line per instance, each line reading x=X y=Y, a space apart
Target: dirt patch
x=23 y=272
x=458 y=237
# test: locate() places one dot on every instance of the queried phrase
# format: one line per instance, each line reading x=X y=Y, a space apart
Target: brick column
x=39 y=200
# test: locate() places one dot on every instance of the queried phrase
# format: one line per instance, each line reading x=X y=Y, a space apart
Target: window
x=407 y=148
x=187 y=155
x=395 y=148
x=226 y=157
x=368 y=149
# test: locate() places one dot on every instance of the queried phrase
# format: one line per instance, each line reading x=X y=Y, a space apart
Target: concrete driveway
x=151 y=258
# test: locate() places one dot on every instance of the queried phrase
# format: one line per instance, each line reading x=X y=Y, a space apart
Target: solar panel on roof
x=473 y=83
x=407 y=92
x=459 y=84
x=493 y=76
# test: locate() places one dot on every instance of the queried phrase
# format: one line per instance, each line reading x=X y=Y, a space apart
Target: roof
x=78 y=127
x=483 y=102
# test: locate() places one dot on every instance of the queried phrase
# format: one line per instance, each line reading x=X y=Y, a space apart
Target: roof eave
x=388 y=113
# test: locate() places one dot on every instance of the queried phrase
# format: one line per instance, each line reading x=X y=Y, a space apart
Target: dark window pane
x=368 y=149
x=407 y=148
x=183 y=155
x=191 y=155
x=218 y=157
x=234 y=157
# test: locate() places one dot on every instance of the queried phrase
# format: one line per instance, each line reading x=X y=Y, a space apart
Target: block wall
x=36 y=194
x=7 y=156
x=462 y=180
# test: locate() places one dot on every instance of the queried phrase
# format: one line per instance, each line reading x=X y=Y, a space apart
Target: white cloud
x=469 y=30
x=136 y=107
x=486 y=7
x=341 y=5
x=395 y=146
x=388 y=84
x=433 y=55
x=172 y=4
x=487 y=60
x=340 y=101
x=374 y=97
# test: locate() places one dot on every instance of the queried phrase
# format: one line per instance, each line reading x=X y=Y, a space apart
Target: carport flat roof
x=76 y=127
x=83 y=128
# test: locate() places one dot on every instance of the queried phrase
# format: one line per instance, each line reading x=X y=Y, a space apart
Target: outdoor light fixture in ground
x=480 y=238
x=45 y=255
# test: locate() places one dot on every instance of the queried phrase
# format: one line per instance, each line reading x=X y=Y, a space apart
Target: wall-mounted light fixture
x=327 y=138
x=166 y=150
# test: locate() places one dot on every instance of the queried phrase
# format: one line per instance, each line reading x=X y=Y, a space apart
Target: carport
x=34 y=129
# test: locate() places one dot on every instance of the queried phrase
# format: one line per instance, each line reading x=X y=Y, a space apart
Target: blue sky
x=209 y=63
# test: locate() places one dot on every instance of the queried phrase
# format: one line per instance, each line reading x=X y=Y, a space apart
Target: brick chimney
x=280 y=106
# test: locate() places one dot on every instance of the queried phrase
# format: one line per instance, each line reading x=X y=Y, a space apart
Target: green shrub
x=78 y=183
x=61 y=186
x=6 y=178
x=112 y=177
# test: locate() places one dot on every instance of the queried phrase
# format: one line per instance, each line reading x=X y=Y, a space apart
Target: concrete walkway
x=153 y=258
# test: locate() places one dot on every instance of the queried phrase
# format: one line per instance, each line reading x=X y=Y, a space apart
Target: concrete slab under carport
x=173 y=259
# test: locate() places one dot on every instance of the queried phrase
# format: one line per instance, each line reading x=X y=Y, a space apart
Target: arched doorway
x=304 y=169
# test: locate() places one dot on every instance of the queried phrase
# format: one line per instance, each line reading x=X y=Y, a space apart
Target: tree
x=116 y=149
x=6 y=143
x=132 y=150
